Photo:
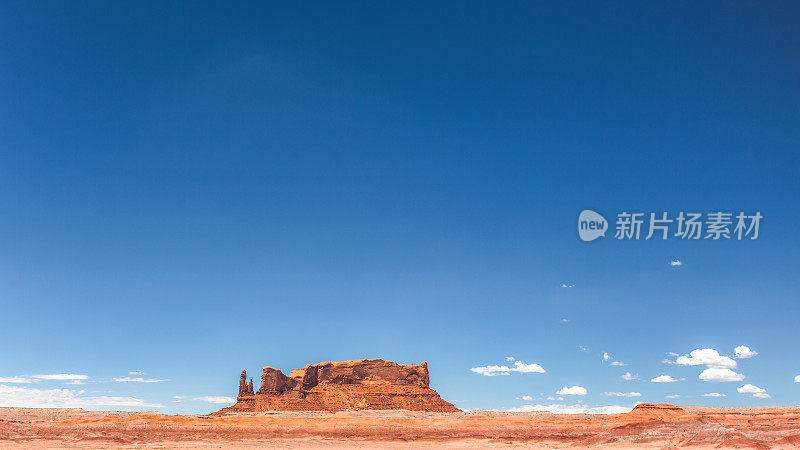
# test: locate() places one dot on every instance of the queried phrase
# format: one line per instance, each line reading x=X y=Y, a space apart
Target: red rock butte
x=362 y=384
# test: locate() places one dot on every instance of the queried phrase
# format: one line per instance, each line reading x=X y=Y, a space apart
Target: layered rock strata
x=364 y=384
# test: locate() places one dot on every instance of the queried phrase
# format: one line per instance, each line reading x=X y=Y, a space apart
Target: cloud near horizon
x=714 y=394
x=217 y=399
x=26 y=397
x=573 y=409
x=138 y=380
x=519 y=366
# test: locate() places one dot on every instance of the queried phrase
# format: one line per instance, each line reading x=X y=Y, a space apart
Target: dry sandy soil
x=654 y=426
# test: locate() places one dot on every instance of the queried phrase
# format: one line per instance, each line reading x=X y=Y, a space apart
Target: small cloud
x=519 y=366
x=622 y=394
x=574 y=390
x=750 y=389
x=663 y=379
x=743 y=352
x=135 y=373
x=179 y=397
x=527 y=397
x=673 y=396
x=628 y=377
x=551 y=398
x=756 y=391
x=606 y=356
x=215 y=399
x=61 y=377
x=583 y=349
x=797 y=379
x=675 y=263
x=714 y=394
x=138 y=380
x=567 y=286
x=720 y=375
x=564 y=320
x=618 y=363
x=509 y=358
x=707 y=357
x=16 y=380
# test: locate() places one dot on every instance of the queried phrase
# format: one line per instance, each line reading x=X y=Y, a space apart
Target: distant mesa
x=363 y=384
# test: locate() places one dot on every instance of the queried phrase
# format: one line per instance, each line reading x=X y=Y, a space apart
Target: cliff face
x=336 y=386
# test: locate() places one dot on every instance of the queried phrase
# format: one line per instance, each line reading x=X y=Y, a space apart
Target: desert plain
x=647 y=426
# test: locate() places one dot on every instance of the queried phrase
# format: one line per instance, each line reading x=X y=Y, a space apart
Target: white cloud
x=755 y=390
x=618 y=363
x=574 y=390
x=63 y=398
x=714 y=394
x=673 y=396
x=491 y=371
x=179 y=397
x=622 y=394
x=583 y=349
x=707 y=357
x=743 y=352
x=750 y=389
x=628 y=377
x=663 y=379
x=135 y=373
x=519 y=366
x=573 y=409
x=527 y=397
x=606 y=356
x=509 y=358
x=567 y=286
x=564 y=320
x=675 y=263
x=16 y=380
x=61 y=376
x=138 y=380
x=215 y=399
x=720 y=375
x=797 y=379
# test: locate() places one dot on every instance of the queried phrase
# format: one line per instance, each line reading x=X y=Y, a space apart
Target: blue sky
x=188 y=191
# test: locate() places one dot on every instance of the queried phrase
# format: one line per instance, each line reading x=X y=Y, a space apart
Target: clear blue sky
x=190 y=189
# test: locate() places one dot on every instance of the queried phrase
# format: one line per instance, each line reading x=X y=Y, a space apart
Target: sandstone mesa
x=363 y=384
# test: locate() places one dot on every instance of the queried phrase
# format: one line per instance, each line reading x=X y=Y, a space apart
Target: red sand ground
x=653 y=426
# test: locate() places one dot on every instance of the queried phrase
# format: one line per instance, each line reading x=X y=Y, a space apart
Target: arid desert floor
x=647 y=426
